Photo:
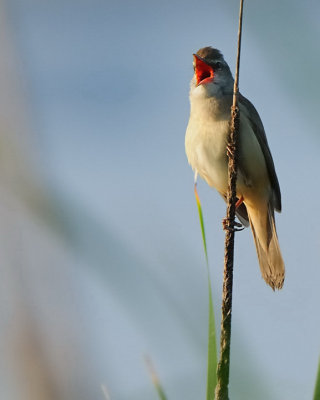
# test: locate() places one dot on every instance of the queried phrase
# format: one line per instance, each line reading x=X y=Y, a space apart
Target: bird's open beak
x=203 y=72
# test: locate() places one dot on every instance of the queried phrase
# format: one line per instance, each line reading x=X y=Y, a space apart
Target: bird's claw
x=231 y=226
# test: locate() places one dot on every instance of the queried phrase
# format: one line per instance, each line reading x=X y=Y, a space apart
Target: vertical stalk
x=223 y=368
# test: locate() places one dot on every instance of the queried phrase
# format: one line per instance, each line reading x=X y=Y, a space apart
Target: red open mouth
x=204 y=73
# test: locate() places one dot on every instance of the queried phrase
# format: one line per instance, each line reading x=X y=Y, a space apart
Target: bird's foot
x=231 y=226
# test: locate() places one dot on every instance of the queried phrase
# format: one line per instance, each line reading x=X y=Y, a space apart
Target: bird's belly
x=207 y=153
x=206 y=149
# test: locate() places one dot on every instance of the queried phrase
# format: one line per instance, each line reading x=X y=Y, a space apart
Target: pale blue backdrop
x=105 y=87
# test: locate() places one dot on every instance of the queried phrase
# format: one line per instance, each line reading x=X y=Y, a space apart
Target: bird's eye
x=218 y=65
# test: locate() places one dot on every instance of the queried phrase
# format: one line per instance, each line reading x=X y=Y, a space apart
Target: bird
x=257 y=189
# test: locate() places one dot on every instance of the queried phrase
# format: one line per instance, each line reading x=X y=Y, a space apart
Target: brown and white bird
x=258 y=190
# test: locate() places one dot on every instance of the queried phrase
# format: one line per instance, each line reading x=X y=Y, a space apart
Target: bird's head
x=212 y=75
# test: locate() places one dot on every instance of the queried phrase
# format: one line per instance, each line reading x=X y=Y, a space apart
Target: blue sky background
x=105 y=85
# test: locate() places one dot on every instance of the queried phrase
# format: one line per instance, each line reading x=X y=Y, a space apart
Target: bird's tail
x=266 y=240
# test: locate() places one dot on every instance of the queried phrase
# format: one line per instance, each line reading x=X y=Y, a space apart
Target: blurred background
x=101 y=252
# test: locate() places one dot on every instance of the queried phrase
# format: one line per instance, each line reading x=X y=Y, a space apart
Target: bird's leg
x=239 y=202
x=233 y=226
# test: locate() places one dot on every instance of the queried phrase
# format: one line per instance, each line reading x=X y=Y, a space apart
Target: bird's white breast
x=206 y=147
x=206 y=140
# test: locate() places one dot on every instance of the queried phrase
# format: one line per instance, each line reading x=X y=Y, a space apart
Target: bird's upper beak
x=203 y=72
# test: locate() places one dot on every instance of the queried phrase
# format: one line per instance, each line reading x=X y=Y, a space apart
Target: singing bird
x=258 y=191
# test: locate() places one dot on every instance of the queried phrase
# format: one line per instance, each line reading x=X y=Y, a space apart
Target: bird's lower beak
x=203 y=72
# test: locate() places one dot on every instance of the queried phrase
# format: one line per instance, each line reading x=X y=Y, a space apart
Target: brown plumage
x=206 y=139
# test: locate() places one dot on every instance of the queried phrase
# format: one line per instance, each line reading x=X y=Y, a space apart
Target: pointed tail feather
x=266 y=240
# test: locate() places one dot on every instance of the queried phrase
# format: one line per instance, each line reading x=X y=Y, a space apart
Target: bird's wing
x=248 y=108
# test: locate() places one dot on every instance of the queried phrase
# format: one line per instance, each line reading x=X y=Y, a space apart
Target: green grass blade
x=212 y=349
x=155 y=379
x=160 y=392
x=316 y=395
x=212 y=345
x=201 y=225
